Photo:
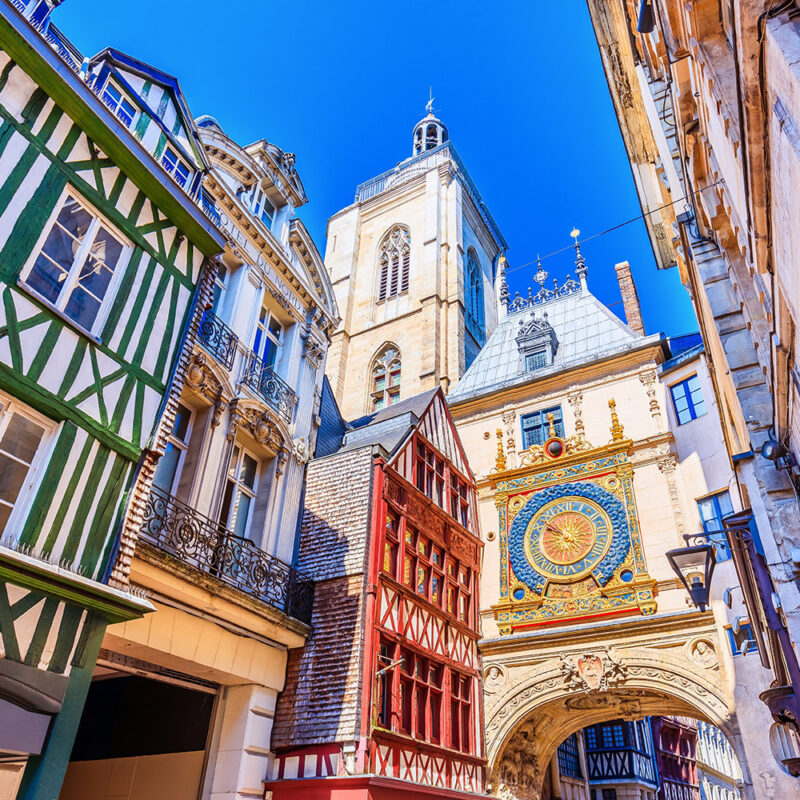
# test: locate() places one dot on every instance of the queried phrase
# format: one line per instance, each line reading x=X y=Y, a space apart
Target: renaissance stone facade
x=592 y=462
x=707 y=95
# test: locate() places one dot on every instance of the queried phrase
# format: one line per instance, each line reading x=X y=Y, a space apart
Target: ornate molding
x=200 y=378
x=648 y=380
x=509 y=418
x=667 y=464
x=259 y=424
x=313 y=350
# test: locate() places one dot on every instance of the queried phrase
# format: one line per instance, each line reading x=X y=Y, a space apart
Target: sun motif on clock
x=567 y=537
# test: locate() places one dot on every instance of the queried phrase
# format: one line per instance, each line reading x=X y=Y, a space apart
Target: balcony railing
x=211 y=210
x=218 y=338
x=200 y=542
x=274 y=390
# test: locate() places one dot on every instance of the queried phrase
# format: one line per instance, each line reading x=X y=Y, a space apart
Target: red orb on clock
x=554 y=448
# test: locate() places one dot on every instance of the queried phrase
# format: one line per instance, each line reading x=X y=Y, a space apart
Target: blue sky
x=518 y=83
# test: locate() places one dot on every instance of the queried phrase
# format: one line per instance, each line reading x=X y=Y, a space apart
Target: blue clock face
x=567 y=538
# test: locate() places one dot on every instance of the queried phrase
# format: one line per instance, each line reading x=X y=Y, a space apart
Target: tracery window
x=473 y=290
x=385 y=378
x=394 y=257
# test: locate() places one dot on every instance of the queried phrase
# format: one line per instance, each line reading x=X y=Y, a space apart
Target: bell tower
x=414 y=265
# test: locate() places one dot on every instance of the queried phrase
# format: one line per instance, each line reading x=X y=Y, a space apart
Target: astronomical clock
x=570 y=546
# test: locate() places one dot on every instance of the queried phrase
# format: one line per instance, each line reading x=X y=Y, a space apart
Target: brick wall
x=630 y=297
x=323 y=682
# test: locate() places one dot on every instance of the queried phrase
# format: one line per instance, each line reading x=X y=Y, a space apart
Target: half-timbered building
x=102 y=253
x=384 y=701
x=219 y=527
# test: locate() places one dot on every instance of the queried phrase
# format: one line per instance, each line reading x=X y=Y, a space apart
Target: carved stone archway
x=536 y=697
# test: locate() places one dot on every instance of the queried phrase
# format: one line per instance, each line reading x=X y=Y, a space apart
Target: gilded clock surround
x=570 y=545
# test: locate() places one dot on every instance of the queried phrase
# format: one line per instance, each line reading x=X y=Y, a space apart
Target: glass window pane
x=12 y=476
x=5 y=513
x=74 y=219
x=234 y=461
x=22 y=438
x=249 y=471
x=106 y=248
x=181 y=426
x=725 y=505
x=242 y=515
x=166 y=469
x=82 y=307
x=94 y=278
x=275 y=328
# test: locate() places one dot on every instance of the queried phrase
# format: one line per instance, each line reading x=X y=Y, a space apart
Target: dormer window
x=175 y=167
x=262 y=207
x=536 y=360
x=119 y=104
x=536 y=342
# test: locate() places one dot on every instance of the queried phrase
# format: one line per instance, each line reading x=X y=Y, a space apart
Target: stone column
x=242 y=757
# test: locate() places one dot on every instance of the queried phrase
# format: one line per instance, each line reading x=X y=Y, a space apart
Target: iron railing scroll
x=218 y=338
x=277 y=394
x=198 y=541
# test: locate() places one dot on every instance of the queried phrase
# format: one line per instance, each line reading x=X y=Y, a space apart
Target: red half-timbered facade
x=402 y=597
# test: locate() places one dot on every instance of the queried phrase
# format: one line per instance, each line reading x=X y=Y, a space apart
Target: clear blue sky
x=518 y=83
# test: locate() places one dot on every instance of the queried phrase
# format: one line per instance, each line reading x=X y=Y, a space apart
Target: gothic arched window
x=473 y=290
x=394 y=255
x=385 y=378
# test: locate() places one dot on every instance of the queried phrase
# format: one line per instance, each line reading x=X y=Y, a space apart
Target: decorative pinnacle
x=580 y=263
x=616 y=427
x=500 y=461
x=551 y=424
x=501 y=268
x=541 y=276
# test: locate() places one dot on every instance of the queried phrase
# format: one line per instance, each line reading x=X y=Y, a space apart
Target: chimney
x=630 y=299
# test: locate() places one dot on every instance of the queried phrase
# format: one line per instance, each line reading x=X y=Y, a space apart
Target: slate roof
x=586 y=331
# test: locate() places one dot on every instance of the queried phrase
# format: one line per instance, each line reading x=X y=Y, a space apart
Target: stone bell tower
x=414 y=263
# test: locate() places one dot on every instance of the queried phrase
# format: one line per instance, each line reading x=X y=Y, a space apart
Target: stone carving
x=648 y=380
x=667 y=465
x=509 y=418
x=703 y=653
x=621 y=706
x=300 y=450
x=259 y=424
x=313 y=350
x=519 y=776
x=200 y=378
x=282 y=301
x=494 y=677
x=592 y=672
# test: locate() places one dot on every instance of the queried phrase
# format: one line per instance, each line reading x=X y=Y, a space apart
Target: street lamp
x=647 y=21
x=694 y=565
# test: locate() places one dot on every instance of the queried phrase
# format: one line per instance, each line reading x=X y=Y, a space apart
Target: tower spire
x=429 y=104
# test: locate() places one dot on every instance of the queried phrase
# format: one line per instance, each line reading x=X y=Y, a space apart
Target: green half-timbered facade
x=103 y=262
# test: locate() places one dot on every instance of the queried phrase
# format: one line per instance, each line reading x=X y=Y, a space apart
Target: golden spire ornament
x=500 y=461
x=616 y=426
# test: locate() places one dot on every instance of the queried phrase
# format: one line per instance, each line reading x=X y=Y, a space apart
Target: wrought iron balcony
x=274 y=390
x=200 y=542
x=218 y=338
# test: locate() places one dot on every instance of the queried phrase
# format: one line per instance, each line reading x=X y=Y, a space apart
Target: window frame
x=543 y=426
x=99 y=221
x=716 y=535
x=229 y=524
x=402 y=561
x=172 y=168
x=394 y=263
x=178 y=444
x=691 y=406
x=735 y=646
x=263 y=329
x=37 y=467
x=386 y=366
x=123 y=98
x=258 y=201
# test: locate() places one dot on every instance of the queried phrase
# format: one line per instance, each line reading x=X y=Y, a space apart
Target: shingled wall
x=323 y=684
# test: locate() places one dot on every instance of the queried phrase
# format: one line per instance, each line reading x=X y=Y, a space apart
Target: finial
x=580 y=263
x=429 y=104
x=541 y=276
x=500 y=461
x=551 y=425
x=501 y=269
x=616 y=427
